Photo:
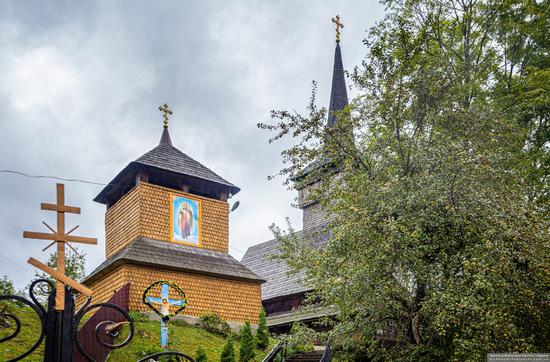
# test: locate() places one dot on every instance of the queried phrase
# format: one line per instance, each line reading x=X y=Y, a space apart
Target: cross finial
x=166 y=111
x=336 y=20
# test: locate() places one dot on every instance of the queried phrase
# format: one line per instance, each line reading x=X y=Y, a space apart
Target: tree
x=6 y=286
x=228 y=351
x=438 y=235
x=200 y=355
x=262 y=333
x=75 y=268
x=246 y=350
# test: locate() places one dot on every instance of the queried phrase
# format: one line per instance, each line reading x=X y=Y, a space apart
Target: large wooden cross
x=336 y=20
x=60 y=237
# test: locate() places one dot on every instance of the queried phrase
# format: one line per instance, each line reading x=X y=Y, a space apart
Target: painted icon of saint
x=185 y=220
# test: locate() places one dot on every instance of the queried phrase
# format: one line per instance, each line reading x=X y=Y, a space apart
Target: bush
x=300 y=339
x=228 y=352
x=262 y=334
x=246 y=352
x=200 y=355
x=213 y=323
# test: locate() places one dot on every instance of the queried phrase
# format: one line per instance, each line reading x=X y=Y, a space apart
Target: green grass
x=182 y=337
x=29 y=333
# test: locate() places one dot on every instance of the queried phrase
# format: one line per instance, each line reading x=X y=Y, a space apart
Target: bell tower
x=167 y=218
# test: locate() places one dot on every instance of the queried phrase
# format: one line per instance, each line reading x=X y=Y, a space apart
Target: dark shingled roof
x=338 y=92
x=167 y=158
x=165 y=255
x=279 y=281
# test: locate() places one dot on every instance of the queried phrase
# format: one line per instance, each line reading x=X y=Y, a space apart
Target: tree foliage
x=439 y=210
x=228 y=351
x=200 y=355
x=246 y=350
x=262 y=334
x=6 y=286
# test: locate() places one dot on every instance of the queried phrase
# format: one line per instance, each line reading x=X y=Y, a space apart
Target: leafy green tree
x=200 y=355
x=438 y=222
x=228 y=351
x=6 y=286
x=262 y=333
x=246 y=350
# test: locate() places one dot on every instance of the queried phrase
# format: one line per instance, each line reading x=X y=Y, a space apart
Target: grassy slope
x=183 y=338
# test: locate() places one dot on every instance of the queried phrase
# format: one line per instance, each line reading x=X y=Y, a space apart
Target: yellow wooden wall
x=145 y=211
x=233 y=300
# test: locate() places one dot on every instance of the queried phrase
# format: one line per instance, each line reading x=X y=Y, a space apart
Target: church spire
x=338 y=93
x=165 y=138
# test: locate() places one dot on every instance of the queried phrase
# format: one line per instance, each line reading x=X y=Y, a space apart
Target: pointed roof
x=338 y=92
x=168 y=163
x=338 y=101
x=165 y=137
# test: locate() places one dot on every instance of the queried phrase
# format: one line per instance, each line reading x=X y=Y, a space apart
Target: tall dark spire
x=338 y=92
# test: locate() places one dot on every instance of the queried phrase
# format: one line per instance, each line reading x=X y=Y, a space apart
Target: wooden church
x=284 y=292
x=167 y=218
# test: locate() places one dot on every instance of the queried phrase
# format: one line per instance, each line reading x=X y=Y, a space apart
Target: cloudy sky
x=81 y=81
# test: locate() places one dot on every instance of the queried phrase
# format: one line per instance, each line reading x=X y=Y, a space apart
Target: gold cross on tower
x=339 y=25
x=60 y=237
x=166 y=111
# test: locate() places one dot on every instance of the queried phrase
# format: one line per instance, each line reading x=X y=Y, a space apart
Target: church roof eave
x=162 y=255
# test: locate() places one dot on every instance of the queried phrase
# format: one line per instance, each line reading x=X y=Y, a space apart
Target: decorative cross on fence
x=165 y=303
x=60 y=238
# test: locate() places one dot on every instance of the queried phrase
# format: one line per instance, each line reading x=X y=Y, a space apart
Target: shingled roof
x=280 y=281
x=168 y=159
x=161 y=254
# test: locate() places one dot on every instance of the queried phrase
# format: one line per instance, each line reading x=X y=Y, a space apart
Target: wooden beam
x=60 y=208
x=61 y=277
x=58 y=237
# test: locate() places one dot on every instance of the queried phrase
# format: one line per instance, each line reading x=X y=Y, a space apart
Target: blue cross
x=165 y=303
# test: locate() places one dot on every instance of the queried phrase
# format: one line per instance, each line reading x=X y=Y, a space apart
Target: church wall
x=106 y=286
x=313 y=216
x=233 y=300
x=155 y=217
x=122 y=222
x=145 y=211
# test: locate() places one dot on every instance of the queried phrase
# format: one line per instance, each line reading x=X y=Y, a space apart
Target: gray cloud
x=80 y=83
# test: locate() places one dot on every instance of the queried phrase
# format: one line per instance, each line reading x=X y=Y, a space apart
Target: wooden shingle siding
x=145 y=211
x=233 y=300
x=106 y=287
x=122 y=222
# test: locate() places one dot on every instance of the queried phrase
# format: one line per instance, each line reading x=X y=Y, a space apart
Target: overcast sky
x=81 y=82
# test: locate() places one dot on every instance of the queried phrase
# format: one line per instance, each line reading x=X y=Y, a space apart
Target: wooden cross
x=166 y=111
x=339 y=25
x=60 y=238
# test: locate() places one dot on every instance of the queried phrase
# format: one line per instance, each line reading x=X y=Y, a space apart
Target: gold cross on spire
x=339 y=25
x=166 y=111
